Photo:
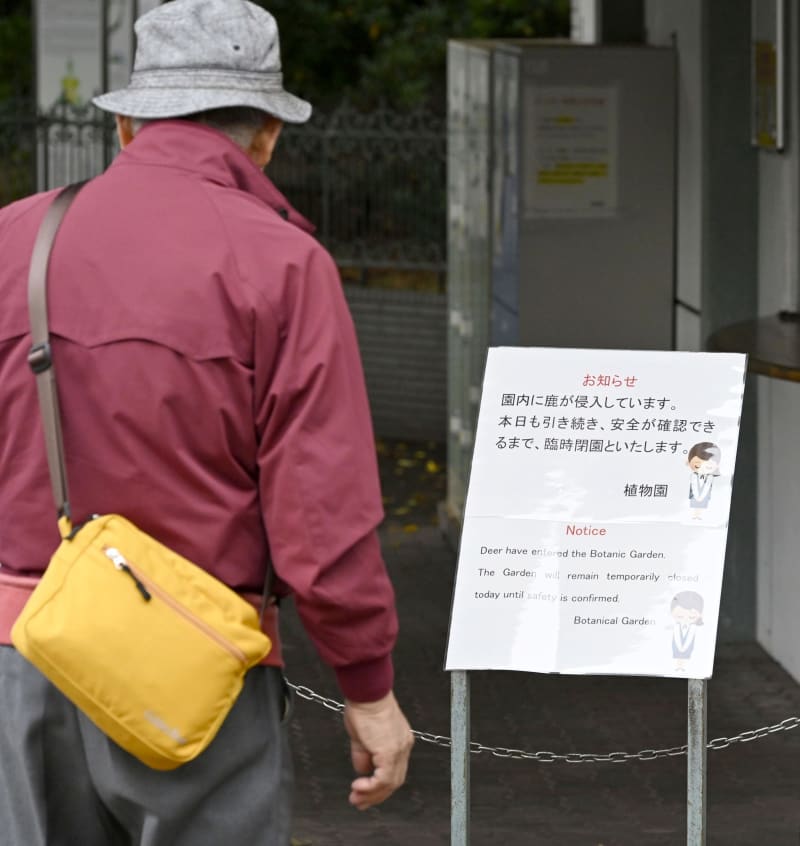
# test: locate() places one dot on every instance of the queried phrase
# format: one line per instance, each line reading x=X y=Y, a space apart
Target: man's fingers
x=381 y=742
x=362 y=760
x=372 y=790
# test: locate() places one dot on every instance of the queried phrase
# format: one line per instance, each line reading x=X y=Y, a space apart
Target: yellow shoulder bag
x=151 y=647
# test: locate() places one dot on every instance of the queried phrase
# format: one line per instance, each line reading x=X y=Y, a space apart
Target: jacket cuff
x=367 y=681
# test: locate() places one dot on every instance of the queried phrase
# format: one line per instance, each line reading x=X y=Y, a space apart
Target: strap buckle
x=40 y=358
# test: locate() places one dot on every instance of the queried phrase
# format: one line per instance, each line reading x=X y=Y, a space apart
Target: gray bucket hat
x=194 y=55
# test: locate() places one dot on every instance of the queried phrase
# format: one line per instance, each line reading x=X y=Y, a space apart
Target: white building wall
x=585 y=18
x=680 y=22
x=688 y=333
x=778 y=609
x=778 y=273
x=778 y=584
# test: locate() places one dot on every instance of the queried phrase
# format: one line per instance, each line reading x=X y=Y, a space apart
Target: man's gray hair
x=239 y=123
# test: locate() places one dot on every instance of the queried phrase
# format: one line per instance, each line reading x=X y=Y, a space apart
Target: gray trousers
x=63 y=783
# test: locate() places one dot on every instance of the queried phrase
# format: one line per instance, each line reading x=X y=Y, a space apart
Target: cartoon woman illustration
x=687 y=614
x=703 y=461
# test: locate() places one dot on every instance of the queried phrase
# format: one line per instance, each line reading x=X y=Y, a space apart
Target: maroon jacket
x=211 y=390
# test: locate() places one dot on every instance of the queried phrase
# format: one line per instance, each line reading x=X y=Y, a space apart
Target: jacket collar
x=212 y=155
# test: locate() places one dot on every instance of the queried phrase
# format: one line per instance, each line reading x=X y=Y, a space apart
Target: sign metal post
x=696 y=763
x=459 y=758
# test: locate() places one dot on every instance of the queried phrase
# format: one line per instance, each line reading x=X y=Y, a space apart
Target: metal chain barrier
x=573 y=757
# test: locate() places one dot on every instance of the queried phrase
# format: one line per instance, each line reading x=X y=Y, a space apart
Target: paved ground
x=754 y=788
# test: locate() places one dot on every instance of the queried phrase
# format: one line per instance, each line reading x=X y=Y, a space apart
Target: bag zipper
x=147 y=588
x=121 y=564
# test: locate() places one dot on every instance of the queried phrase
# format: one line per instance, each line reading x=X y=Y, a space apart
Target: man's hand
x=380 y=743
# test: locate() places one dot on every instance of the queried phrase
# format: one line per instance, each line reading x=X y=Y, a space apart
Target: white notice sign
x=596 y=518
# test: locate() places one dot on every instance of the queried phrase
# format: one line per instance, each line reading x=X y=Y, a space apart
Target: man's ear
x=124 y=130
x=263 y=144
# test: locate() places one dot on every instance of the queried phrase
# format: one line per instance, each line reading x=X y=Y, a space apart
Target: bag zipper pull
x=121 y=564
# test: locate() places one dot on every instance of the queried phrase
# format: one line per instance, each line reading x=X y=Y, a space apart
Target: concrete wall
x=779 y=401
x=403 y=340
x=720 y=214
x=778 y=524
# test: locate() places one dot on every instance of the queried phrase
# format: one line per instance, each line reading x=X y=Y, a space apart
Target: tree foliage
x=393 y=51
x=16 y=49
x=370 y=51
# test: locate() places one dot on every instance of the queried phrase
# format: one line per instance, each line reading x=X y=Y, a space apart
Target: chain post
x=697 y=763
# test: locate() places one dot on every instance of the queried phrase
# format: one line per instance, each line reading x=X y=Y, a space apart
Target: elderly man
x=211 y=391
